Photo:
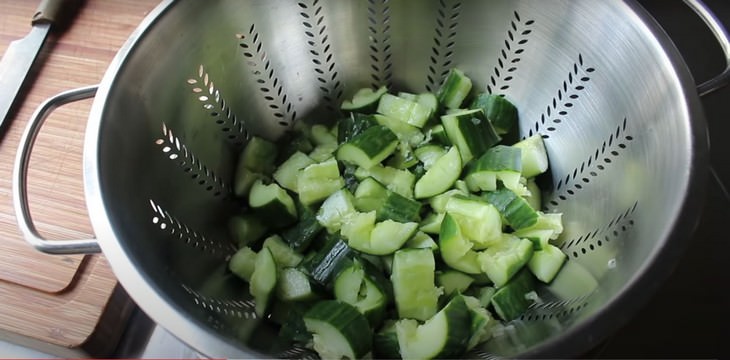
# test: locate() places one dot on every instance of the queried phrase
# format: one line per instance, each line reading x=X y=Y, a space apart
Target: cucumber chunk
x=501 y=261
x=470 y=132
x=454 y=89
x=445 y=335
x=509 y=301
x=337 y=330
x=242 y=263
x=288 y=172
x=516 y=210
x=284 y=255
x=546 y=262
x=416 y=295
x=362 y=287
x=498 y=110
x=273 y=203
x=453 y=281
x=335 y=210
x=294 y=285
x=480 y=222
x=368 y=148
x=439 y=178
x=364 y=100
x=408 y=111
x=318 y=181
x=456 y=249
x=263 y=280
x=534 y=156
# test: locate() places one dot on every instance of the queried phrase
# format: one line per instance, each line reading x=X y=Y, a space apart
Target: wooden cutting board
x=55 y=299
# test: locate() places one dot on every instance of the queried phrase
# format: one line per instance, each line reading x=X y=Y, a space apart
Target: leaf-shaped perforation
x=269 y=86
x=216 y=106
x=597 y=162
x=379 y=36
x=175 y=228
x=320 y=51
x=443 y=43
x=175 y=150
x=567 y=94
x=510 y=55
x=614 y=229
x=242 y=309
x=539 y=311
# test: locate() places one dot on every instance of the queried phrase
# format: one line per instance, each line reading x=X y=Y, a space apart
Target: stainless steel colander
x=599 y=80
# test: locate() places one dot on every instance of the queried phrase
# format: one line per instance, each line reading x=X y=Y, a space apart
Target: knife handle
x=51 y=11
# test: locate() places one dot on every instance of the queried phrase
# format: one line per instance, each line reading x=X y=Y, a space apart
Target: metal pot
x=599 y=80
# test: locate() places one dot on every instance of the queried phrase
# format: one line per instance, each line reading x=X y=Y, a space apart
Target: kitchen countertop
x=689 y=317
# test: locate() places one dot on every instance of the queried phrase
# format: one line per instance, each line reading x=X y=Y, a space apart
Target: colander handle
x=721 y=34
x=20 y=173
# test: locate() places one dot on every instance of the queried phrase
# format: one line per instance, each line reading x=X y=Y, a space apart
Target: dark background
x=689 y=317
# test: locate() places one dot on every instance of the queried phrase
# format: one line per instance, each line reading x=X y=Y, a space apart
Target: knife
x=20 y=55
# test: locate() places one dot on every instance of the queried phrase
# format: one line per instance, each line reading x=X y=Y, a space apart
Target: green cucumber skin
x=509 y=300
x=385 y=342
x=273 y=203
x=515 y=209
x=454 y=90
x=369 y=147
x=498 y=110
x=457 y=333
x=470 y=132
x=348 y=321
x=300 y=236
x=351 y=126
x=327 y=262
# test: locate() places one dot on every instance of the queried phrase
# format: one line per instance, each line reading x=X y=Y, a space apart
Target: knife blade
x=22 y=53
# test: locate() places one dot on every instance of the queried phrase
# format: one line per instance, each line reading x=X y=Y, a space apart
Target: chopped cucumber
x=534 y=156
x=388 y=205
x=546 y=262
x=326 y=263
x=469 y=131
x=243 y=262
x=368 y=148
x=363 y=287
x=439 y=178
x=337 y=330
x=288 y=172
x=416 y=295
x=246 y=229
x=453 y=281
x=501 y=261
x=318 y=181
x=429 y=221
x=445 y=335
x=498 y=110
x=273 y=203
x=454 y=90
x=364 y=100
x=408 y=111
x=293 y=285
x=456 y=249
x=263 y=280
x=385 y=342
x=509 y=300
x=353 y=125
x=516 y=210
x=301 y=235
x=335 y=210
x=284 y=255
x=479 y=221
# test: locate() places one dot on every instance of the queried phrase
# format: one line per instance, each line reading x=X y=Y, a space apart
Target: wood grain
x=57 y=299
